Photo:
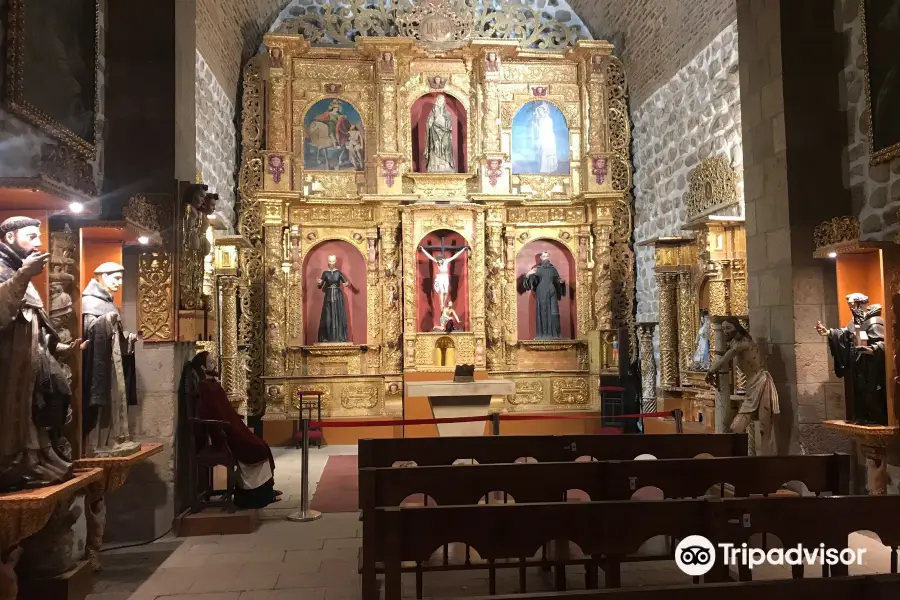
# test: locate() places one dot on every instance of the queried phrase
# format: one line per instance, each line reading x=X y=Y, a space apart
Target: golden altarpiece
x=376 y=213
x=701 y=276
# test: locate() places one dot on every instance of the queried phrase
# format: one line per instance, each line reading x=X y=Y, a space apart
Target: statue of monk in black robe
x=548 y=288
x=333 y=323
x=858 y=353
x=109 y=385
x=34 y=387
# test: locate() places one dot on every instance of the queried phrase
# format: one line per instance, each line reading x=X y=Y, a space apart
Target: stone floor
x=283 y=560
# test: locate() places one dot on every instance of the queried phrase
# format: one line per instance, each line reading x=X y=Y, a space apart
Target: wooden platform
x=217 y=522
x=116 y=469
x=24 y=513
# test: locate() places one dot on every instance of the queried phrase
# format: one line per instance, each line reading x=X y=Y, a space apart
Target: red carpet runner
x=338 y=490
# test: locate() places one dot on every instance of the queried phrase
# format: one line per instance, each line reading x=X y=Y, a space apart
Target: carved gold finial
x=837 y=235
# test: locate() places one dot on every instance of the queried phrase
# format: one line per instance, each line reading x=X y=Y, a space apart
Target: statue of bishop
x=108 y=379
x=35 y=392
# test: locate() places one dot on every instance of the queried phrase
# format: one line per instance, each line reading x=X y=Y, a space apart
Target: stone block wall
x=696 y=115
x=875 y=190
x=654 y=38
x=22 y=142
x=216 y=147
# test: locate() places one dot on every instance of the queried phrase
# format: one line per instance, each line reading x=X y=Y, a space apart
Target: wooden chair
x=213 y=452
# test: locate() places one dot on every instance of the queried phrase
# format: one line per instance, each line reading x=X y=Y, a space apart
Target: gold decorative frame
x=835 y=236
x=889 y=152
x=712 y=188
x=16 y=99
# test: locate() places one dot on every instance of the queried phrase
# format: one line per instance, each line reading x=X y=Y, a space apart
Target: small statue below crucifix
x=442 y=278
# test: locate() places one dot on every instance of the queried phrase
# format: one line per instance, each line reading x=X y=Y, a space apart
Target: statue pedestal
x=874 y=440
x=74 y=584
x=114 y=471
x=450 y=399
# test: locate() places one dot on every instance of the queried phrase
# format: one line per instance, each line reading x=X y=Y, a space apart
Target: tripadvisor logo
x=695 y=556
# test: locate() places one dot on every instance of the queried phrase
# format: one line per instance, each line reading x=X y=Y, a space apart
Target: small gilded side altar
x=701 y=276
x=401 y=201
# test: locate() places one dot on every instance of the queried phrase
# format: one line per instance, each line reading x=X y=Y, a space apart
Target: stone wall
x=22 y=142
x=875 y=190
x=216 y=139
x=229 y=32
x=696 y=115
x=655 y=38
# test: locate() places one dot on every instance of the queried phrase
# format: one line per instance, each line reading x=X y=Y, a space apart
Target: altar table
x=451 y=399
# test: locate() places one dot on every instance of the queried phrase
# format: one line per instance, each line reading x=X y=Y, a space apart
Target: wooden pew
x=609 y=531
x=601 y=480
x=859 y=587
x=545 y=448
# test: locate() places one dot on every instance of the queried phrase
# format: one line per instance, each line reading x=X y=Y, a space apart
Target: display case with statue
x=861 y=341
x=418 y=204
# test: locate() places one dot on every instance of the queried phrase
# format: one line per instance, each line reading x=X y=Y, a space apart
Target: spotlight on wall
x=832 y=255
x=144 y=239
x=76 y=207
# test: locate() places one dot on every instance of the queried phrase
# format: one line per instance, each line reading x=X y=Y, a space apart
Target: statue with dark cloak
x=109 y=385
x=333 y=326
x=544 y=280
x=859 y=358
x=35 y=390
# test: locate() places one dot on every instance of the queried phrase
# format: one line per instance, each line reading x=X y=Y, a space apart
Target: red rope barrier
x=517 y=417
x=505 y=417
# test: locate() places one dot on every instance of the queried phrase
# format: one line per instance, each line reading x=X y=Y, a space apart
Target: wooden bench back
x=860 y=587
x=545 y=448
x=602 y=480
x=619 y=528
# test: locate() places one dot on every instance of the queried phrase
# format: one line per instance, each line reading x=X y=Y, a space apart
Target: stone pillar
x=150 y=139
x=687 y=332
x=790 y=59
x=648 y=367
x=668 y=329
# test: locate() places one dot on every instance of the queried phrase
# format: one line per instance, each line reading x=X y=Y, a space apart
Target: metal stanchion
x=305 y=514
x=679 y=420
x=495 y=422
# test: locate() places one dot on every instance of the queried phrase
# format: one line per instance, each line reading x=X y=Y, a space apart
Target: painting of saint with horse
x=335 y=139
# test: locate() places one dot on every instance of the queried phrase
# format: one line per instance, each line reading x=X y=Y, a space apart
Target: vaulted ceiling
x=654 y=38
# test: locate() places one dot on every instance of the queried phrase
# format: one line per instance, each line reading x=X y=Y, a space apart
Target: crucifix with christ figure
x=442 y=278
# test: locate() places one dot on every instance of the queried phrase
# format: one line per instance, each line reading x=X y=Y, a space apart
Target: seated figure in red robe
x=255 y=483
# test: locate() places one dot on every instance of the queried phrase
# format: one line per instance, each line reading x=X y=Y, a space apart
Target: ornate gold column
x=275 y=277
x=597 y=63
x=648 y=367
x=494 y=284
x=603 y=310
x=477 y=302
x=495 y=171
x=229 y=345
x=668 y=329
x=686 y=329
x=510 y=310
x=392 y=269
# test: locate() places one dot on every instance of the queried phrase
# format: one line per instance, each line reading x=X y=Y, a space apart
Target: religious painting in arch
x=442 y=274
x=540 y=140
x=334 y=294
x=546 y=294
x=334 y=137
x=439 y=134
